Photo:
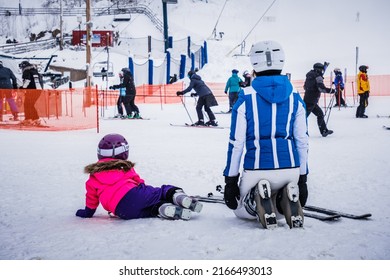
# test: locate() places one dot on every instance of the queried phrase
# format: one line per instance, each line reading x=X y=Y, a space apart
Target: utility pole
x=61 y=34
x=88 y=41
x=88 y=25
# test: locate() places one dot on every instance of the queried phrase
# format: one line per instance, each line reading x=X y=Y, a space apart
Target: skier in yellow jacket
x=363 y=89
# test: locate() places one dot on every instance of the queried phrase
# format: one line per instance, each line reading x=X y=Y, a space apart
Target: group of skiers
x=31 y=81
x=268 y=126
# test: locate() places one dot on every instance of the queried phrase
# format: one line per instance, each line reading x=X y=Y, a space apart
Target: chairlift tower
x=165 y=17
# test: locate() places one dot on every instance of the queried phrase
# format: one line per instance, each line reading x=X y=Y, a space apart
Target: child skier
x=115 y=184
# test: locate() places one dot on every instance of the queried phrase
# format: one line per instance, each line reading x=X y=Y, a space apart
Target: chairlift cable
x=252 y=28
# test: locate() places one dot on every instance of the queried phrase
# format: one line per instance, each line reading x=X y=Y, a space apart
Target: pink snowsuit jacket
x=109 y=187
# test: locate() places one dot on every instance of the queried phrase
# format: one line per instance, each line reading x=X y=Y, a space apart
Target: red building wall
x=100 y=38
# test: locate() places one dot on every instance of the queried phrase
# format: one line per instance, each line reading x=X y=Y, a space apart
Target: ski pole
x=330 y=109
x=185 y=107
x=331 y=101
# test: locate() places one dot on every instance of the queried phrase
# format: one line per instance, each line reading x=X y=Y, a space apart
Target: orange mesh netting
x=71 y=109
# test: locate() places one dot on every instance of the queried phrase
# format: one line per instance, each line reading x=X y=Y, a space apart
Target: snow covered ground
x=42 y=180
x=42 y=185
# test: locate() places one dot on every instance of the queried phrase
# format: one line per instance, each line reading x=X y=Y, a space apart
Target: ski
x=382 y=116
x=386 y=127
x=321 y=217
x=127 y=119
x=210 y=199
x=197 y=126
x=17 y=124
x=219 y=199
x=335 y=212
x=223 y=113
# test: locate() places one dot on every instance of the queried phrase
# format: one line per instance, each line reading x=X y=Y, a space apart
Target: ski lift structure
x=100 y=69
x=122 y=15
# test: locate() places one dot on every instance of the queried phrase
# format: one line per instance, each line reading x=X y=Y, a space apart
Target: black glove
x=303 y=193
x=85 y=213
x=179 y=93
x=231 y=194
x=194 y=94
x=332 y=90
x=111 y=87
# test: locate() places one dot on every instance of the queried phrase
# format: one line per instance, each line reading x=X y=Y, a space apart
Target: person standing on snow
x=314 y=86
x=33 y=84
x=247 y=79
x=233 y=87
x=363 y=89
x=129 y=98
x=6 y=77
x=339 y=84
x=206 y=99
x=114 y=183
x=121 y=99
x=268 y=122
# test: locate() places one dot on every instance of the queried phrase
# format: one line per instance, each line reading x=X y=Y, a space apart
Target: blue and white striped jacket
x=269 y=119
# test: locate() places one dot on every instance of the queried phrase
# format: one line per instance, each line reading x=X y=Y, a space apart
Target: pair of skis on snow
x=315 y=212
x=198 y=126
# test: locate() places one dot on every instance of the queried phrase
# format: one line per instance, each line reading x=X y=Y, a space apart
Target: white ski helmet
x=267 y=55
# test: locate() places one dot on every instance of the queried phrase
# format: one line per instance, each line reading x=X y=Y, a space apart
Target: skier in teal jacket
x=233 y=86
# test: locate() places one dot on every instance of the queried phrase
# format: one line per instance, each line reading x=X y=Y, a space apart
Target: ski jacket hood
x=274 y=89
x=233 y=83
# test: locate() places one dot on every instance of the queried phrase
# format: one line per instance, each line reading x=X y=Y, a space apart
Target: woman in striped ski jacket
x=269 y=123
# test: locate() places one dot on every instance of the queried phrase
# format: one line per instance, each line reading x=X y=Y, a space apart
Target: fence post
x=182 y=66
x=168 y=76
x=97 y=109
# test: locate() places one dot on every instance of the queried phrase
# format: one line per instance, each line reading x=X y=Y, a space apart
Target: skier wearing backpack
x=32 y=83
x=114 y=183
x=268 y=122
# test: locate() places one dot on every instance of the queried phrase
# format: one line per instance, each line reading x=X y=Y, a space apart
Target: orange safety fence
x=71 y=109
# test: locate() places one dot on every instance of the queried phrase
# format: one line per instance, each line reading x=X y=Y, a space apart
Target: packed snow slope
x=42 y=185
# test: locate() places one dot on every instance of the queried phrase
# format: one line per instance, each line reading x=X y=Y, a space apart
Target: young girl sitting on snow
x=115 y=184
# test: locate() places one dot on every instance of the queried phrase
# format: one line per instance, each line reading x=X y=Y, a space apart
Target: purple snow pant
x=143 y=201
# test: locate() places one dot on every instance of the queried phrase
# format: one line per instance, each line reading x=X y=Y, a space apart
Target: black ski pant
x=203 y=102
x=363 y=103
x=119 y=105
x=233 y=96
x=317 y=111
x=31 y=97
x=129 y=102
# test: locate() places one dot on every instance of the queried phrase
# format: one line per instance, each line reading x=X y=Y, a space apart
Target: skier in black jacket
x=314 y=86
x=32 y=82
x=129 y=98
x=206 y=99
